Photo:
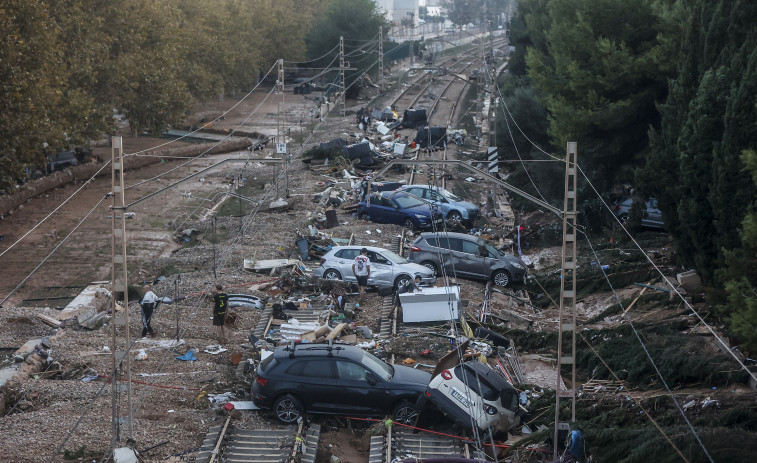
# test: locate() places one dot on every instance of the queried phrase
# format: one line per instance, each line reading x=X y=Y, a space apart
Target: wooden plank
x=335 y=332
x=49 y=320
x=634 y=301
x=220 y=439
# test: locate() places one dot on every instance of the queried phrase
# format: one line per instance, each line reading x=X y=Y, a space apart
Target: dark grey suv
x=466 y=256
x=336 y=379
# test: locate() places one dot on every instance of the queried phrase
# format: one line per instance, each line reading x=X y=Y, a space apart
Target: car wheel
x=287 y=409
x=455 y=217
x=401 y=280
x=409 y=224
x=405 y=413
x=501 y=278
x=332 y=275
x=431 y=266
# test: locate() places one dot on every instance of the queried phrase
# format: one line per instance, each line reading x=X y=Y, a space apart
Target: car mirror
x=371 y=379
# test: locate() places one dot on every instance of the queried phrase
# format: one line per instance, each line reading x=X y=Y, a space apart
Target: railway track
x=444 y=117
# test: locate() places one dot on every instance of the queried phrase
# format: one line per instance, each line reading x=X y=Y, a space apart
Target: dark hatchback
x=335 y=379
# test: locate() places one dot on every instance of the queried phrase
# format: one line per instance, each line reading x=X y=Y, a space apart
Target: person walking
x=220 y=311
x=361 y=268
x=149 y=303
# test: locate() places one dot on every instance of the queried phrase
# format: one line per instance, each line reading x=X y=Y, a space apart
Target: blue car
x=454 y=207
x=400 y=208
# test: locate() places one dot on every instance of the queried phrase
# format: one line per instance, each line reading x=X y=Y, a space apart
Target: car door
x=382 y=210
x=381 y=270
x=445 y=251
x=394 y=213
x=313 y=381
x=471 y=261
x=454 y=263
x=653 y=216
x=344 y=260
x=359 y=390
x=438 y=200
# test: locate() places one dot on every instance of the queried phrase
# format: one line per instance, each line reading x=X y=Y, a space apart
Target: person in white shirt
x=361 y=268
x=149 y=303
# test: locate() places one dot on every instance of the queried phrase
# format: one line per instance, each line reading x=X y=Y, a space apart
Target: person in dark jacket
x=220 y=311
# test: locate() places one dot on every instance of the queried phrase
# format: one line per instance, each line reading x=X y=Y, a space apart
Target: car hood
x=413 y=268
x=466 y=205
x=410 y=376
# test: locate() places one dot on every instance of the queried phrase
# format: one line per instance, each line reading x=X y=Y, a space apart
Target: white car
x=472 y=392
x=387 y=267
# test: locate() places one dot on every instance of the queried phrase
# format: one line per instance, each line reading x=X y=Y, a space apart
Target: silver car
x=387 y=267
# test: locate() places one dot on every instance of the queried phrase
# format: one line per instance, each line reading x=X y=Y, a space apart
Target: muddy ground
x=68 y=414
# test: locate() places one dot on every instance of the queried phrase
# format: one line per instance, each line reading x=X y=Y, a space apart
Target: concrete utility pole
x=412 y=39
x=119 y=327
x=280 y=147
x=341 y=70
x=381 y=59
x=280 y=88
x=567 y=292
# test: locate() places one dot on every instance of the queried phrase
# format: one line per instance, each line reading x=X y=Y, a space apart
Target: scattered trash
x=141 y=355
x=89 y=378
x=214 y=349
x=189 y=356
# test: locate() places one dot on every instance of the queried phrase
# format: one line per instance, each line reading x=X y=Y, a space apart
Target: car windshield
x=375 y=364
x=394 y=257
x=408 y=201
x=449 y=195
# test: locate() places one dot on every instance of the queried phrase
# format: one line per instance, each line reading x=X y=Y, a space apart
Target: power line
x=638 y=246
x=214 y=120
x=644 y=347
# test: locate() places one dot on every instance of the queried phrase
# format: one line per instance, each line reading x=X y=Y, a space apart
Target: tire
x=501 y=278
x=401 y=280
x=331 y=274
x=405 y=413
x=431 y=266
x=409 y=224
x=288 y=409
x=454 y=217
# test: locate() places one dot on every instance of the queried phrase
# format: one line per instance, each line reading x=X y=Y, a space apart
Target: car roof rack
x=330 y=348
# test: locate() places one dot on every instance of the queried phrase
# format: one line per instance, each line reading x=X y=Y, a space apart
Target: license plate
x=461 y=397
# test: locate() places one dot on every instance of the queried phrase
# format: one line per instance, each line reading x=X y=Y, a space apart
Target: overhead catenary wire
x=162 y=364
x=641 y=342
x=638 y=246
x=62 y=242
x=646 y=352
x=222 y=115
x=107 y=163
x=225 y=256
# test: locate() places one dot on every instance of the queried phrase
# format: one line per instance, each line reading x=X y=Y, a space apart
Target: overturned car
x=473 y=394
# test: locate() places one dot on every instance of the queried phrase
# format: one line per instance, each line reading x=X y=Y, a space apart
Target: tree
x=34 y=77
x=463 y=12
x=599 y=68
x=740 y=273
x=694 y=168
x=358 y=21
